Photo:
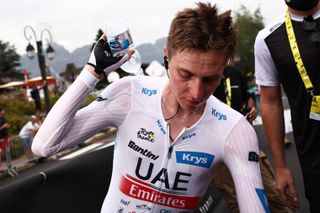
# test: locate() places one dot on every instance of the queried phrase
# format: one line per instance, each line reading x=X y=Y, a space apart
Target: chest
x=147 y=144
x=281 y=53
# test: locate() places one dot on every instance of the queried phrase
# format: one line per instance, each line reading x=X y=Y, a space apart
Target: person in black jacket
x=287 y=56
x=35 y=95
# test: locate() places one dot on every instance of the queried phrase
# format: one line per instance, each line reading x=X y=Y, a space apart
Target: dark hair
x=202 y=28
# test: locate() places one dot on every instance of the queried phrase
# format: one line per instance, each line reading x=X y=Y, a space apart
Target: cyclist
x=171 y=131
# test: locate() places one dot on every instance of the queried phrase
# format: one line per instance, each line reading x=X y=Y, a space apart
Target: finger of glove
x=97 y=48
x=106 y=47
x=116 y=65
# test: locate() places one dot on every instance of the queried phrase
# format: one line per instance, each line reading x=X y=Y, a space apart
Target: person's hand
x=252 y=115
x=286 y=188
x=102 y=60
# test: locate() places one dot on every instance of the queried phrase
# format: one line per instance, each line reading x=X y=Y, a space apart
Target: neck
x=170 y=106
x=305 y=13
x=172 y=109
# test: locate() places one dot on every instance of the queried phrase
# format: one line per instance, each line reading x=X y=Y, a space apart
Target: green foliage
x=19 y=111
x=88 y=100
x=9 y=61
x=247 y=25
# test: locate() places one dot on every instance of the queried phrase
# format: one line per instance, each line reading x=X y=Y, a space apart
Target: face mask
x=302 y=5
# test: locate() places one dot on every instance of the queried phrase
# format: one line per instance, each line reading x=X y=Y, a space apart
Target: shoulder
x=148 y=86
x=270 y=28
x=221 y=117
x=29 y=125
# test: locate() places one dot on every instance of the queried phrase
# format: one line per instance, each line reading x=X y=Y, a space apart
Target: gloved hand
x=102 y=60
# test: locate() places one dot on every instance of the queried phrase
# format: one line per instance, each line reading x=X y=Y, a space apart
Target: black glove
x=102 y=59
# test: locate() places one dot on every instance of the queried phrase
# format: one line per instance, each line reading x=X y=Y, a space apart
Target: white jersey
x=151 y=174
x=26 y=131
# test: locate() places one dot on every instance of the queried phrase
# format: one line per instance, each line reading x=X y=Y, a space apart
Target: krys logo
x=161 y=127
x=195 y=158
x=146 y=135
x=218 y=115
x=148 y=92
x=188 y=136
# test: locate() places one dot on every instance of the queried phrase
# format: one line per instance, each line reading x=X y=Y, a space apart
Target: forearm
x=52 y=135
x=273 y=123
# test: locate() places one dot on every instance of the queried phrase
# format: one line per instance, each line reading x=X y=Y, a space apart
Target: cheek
x=181 y=87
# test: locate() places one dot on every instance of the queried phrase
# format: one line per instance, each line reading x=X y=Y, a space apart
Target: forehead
x=199 y=62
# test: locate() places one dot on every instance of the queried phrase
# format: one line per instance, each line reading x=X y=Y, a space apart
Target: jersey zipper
x=169 y=152
x=165 y=165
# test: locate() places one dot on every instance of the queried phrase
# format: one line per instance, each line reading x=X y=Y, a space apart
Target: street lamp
x=41 y=59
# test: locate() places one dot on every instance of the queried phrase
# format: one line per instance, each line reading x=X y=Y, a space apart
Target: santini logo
x=149 y=92
x=142 y=151
x=218 y=115
x=195 y=158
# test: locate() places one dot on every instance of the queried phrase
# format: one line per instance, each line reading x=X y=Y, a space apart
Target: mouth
x=192 y=103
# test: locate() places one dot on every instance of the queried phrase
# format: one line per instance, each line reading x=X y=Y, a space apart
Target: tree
x=99 y=34
x=9 y=62
x=247 y=25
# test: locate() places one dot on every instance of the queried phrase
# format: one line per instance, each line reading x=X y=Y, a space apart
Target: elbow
x=35 y=150
x=39 y=149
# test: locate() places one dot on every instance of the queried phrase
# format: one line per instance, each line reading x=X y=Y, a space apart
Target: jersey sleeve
x=265 y=70
x=66 y=125
x=242 y=158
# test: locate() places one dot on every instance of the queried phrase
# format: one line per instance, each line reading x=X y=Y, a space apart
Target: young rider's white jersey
x=151 y=173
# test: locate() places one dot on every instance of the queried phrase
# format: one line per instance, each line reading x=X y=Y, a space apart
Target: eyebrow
x=189 y=72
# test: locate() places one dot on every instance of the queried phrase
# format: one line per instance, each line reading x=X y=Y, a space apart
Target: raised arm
x=66 y=125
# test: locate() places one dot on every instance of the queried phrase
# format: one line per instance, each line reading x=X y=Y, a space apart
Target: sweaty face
x=194 y=75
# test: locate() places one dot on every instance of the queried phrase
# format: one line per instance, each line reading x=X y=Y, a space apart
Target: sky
x=74 y=23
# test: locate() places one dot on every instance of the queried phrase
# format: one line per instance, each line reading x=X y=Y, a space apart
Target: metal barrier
x=16 y=156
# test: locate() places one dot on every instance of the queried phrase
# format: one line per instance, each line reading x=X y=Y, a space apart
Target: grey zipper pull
x=169 y=152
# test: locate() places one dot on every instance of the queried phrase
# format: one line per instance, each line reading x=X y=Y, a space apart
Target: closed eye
x=185 y=74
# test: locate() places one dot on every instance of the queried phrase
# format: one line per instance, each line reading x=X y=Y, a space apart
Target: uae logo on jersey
x=146 y=135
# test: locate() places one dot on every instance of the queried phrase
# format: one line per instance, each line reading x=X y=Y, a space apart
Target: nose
x=197 y=90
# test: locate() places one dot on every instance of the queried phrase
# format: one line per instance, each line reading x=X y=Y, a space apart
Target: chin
x=192 y=106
